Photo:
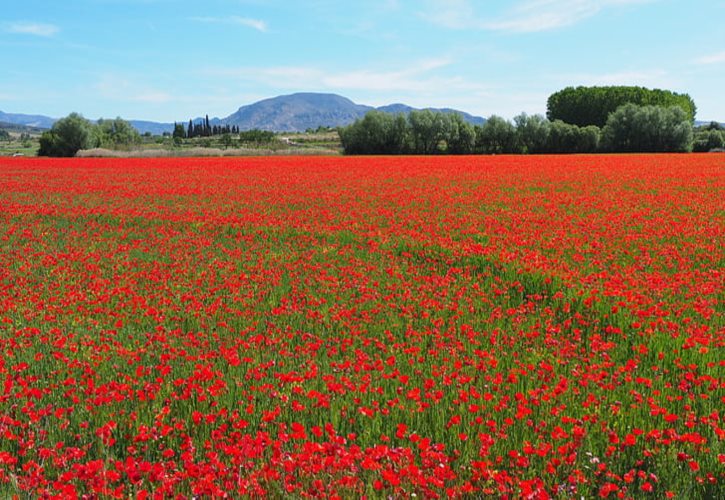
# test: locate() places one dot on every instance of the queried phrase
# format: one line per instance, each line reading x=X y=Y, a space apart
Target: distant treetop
x=584 y=106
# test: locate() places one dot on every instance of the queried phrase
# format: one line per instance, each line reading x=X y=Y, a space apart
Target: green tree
x=592 y=105
x=497 y=136
x=428 y=130
x=67 y=136
x=708 y=140
x=461 y=138
x=648 y=129
x=226 y=140
x=4 y=135
x=566 y=138
x=533 y=133
x=117 y=133
x=376 y=133
x=179 y=131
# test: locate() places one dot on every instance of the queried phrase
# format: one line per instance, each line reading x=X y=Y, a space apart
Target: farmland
x=310 y=326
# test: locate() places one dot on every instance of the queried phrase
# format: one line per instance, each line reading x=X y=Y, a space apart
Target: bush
x=256 y=136
x=67 y=136
x=648 y=129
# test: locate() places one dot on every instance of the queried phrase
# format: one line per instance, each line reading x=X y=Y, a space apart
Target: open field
x=309 y=326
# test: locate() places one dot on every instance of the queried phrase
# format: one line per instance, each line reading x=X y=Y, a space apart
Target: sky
x=169 y=60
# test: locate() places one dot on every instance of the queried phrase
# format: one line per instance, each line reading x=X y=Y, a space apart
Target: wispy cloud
x=247 y=22
x=418 y=77
x=111 y=86
x=526 y=16
x=29 y=28
x=427 y=82
x=711 y=58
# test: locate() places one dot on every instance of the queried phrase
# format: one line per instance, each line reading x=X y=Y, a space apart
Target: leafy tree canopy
x=67 y=136
x=584 y=106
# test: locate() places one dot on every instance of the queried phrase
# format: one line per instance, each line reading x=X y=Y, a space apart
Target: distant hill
x=14 y=127
x=405 y=109
x=307 y=110
x=154 y=128
x=297 y=112
x=287 y=113
x=700 y=123
x=37 y=121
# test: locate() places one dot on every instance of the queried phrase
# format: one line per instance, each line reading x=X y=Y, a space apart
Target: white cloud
x=419 y=77
x=36 y=29
x=526 y=16
x=428 y=82
x=117 y=88
x=248 y=22
x=711 y=59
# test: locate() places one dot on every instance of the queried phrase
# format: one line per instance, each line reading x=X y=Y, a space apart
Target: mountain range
x=288 y=113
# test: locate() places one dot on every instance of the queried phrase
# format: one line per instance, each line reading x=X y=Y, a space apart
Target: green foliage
x=533 y=133
x=376 y=133
x=67 y=136
x=648 y=129
x=427 y=130
x=714 y=126
x=708 y=139
x=4 y=135
x=117 y=133
x=592 y=105
x=179 y=131
x=565 y=138
x=256 y=136
x=226 y=140
x=631 y=128
x=497 y=136
x=461 y=138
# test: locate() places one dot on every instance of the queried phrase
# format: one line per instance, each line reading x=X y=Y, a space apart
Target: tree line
x=579 y=120
x=73 y=133
x=202 y=128
x=584 y=106
x=630 y=128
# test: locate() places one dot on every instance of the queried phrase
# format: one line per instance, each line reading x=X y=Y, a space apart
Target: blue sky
x=168 y=60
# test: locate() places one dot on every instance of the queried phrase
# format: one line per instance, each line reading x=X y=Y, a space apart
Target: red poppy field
x=523 y=327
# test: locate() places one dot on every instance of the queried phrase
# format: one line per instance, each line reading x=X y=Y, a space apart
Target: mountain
x=37 y=121
x=405 y=109
x=286 y=113
x=700 y=123
x=153 y=128
x=45 y=122
x=307 y=110
x=297 y=112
